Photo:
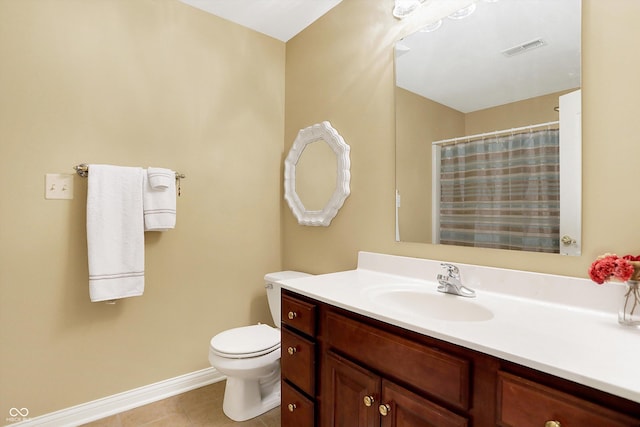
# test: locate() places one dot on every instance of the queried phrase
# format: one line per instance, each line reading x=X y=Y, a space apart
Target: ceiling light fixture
x=431 y=27
x=464 y=12
x=403 y=8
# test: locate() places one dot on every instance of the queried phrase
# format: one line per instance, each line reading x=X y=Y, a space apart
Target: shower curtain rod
x=494 y=133
x=83 y=170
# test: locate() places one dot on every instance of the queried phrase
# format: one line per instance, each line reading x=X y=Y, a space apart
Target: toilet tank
x=273 y=285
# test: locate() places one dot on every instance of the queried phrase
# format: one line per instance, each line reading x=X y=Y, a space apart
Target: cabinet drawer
x=432 y=371
x=298 y=361
x=296 y=410
x=524 y=403
x=298 y=314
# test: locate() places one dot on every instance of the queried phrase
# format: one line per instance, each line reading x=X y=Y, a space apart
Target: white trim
x=436 y=158
x=571 y=173
x=111 y=405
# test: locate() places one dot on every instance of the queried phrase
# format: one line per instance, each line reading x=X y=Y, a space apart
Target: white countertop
x=563 y=326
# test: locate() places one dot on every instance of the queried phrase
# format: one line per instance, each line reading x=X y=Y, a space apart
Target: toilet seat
x=246 y=341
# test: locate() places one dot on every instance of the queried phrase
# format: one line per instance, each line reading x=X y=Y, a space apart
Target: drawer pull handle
x=369 y=401
x=292 y=407
x=552 y=424
x=384 y=409
x=292 y=315
x=292 y=350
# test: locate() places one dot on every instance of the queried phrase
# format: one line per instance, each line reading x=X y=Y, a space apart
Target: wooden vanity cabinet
x=298 y=361
x=354 y=371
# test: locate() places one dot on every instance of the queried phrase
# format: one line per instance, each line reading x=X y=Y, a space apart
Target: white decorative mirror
x=316 y=175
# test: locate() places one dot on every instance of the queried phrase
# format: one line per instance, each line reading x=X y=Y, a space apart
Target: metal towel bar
x=83 y=170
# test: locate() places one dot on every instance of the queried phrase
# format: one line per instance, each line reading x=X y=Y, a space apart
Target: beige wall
x=138 y=83
x=516 y=114
x=419 y=121
x=341 y=70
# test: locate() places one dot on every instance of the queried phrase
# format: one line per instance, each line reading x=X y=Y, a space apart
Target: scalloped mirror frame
x=325 y=132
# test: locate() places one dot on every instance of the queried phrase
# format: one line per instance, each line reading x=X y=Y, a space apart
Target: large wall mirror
x=488 y=127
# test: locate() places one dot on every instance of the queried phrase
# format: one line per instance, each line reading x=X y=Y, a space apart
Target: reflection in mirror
x=317 y=175
x=479 y=160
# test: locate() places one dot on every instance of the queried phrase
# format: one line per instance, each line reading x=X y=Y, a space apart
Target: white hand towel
x=159 y=205
x=115 y=232
x=160 y=178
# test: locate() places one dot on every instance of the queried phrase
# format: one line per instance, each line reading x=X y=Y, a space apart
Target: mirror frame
x=318 y=132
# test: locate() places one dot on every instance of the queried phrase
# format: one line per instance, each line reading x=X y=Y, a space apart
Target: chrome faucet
x=451 y=283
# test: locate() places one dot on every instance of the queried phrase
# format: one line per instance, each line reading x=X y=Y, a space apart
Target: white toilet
x=250 y=358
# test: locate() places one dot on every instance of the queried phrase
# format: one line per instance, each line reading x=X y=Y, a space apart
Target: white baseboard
x=101 y=408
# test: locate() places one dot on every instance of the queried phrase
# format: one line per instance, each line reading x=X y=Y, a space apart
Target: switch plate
x=58 y=186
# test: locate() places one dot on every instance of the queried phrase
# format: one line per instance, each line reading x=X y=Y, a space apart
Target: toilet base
x=247 y=398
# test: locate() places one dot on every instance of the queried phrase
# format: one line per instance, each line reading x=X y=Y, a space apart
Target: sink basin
x=427 y=303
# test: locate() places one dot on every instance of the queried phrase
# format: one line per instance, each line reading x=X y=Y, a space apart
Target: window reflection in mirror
x=505 y=66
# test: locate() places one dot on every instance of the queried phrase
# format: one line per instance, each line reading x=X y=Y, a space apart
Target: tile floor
x=199 y=407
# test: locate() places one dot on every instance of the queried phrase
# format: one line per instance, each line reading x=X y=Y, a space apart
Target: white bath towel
x=159 y=205
x=160 y=178
x=115 y=232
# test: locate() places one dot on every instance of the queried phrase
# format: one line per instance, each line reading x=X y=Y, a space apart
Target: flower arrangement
x=612 y=267
x=625 y=269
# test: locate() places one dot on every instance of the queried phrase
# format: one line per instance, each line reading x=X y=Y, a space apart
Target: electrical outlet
x=58 y=186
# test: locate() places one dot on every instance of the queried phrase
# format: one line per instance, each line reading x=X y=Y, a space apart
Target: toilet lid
x=247 y=341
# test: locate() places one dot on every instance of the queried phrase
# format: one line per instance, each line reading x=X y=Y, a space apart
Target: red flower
x=608 y=267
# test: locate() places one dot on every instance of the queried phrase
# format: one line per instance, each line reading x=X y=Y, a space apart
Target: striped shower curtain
x=502 y=192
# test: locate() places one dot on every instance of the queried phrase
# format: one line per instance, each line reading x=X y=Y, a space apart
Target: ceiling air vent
x=524 y=47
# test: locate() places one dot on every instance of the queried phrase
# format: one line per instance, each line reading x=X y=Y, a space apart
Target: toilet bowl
x=249 y=357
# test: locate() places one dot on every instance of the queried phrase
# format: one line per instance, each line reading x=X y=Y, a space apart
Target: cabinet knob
x=292 y=407
x=368 y=401
x=552 y=424
x=292 y=315
x=384 y=409
x=292 y=350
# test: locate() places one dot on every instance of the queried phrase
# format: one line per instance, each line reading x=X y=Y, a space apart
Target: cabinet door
x=345 y=387
x=407 y=409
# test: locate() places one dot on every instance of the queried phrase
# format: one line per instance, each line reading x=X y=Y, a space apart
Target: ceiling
x=464 y=57
x=280 y=19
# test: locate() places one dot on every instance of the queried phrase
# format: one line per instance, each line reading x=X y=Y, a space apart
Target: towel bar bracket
x=82 y=170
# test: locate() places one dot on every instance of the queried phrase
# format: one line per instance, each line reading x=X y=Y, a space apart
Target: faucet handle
x=452 y=270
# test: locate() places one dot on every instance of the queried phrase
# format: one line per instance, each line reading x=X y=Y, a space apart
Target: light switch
x=58 y=186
